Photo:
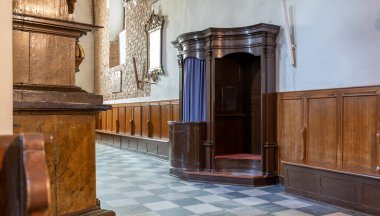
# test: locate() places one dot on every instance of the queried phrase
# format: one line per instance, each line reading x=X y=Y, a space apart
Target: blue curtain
x=194 y=90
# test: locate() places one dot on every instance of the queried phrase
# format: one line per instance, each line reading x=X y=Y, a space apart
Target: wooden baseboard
x=357 y=192
x=151 y=147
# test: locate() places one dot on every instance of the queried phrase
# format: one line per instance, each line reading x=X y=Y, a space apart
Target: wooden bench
x=24 y=178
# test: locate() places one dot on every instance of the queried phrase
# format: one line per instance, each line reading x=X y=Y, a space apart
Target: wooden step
x=254 y=178
x=242 y=162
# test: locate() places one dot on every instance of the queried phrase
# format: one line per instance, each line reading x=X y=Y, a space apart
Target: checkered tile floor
x=134 y=185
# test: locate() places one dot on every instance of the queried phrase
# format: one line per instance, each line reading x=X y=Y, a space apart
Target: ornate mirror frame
x=153 y=29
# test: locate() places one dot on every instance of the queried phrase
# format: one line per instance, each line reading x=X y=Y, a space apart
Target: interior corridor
x=134 y=184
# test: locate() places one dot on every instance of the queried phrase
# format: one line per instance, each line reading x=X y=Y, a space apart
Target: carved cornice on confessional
x=45 y=25
x=269 y=52
x=247 y=39
x=180 y=61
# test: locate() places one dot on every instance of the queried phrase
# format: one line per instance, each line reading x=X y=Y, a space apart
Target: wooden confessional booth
x=227 y=106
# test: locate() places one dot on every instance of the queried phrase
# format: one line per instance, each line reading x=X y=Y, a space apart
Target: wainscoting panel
x=165 y=117
x=115 y=119
x=102 y=124
x=109 y=120
x=332 y=128
x=141 y=127
x=321 y=144
x=155 y=123
x=136 y=125
x=359 y=131
x=290 y=127
x=146 y=122
x=330 y=145
x=358 y=192
x=128 y=118
x=121 y=117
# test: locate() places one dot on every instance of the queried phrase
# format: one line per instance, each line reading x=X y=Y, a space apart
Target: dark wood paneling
x=115 y=119
x=109 y=120
x=175 y=112
x=103 y=120
x=122 y=118
x=142 y=146
x=124 y=143
x=359 y=131
x=371 y=192
x=151 y=147
x=187 y=137
x=133 y=144
x=321 y=142
x=356 y=192
x=137 y=127
x=128 y=118
x=340 y=125
x=155 y=120
x=344 y=190
x=307 y=185
x=165 y=117
x=20 y=57
x=156 y=148
x=51 y=57
x=289 y=128
x=146 y=121
x=341 y=148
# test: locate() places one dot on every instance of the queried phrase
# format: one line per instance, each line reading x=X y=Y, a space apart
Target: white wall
x=6 y=68
x=85 y=77
x=337 y=40
x=116 y=21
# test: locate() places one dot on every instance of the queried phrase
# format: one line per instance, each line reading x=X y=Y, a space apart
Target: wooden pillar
x=269 y=107
x=46 y=101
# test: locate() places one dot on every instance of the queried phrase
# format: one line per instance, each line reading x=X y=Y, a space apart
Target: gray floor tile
x=135 y=185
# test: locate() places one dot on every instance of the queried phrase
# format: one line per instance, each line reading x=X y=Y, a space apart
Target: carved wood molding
x=45 y=25
x=71 y=6
x=222 y=41
x=40 y=97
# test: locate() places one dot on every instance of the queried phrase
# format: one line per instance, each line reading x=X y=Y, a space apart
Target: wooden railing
x=146 y=119
x=333 y=129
